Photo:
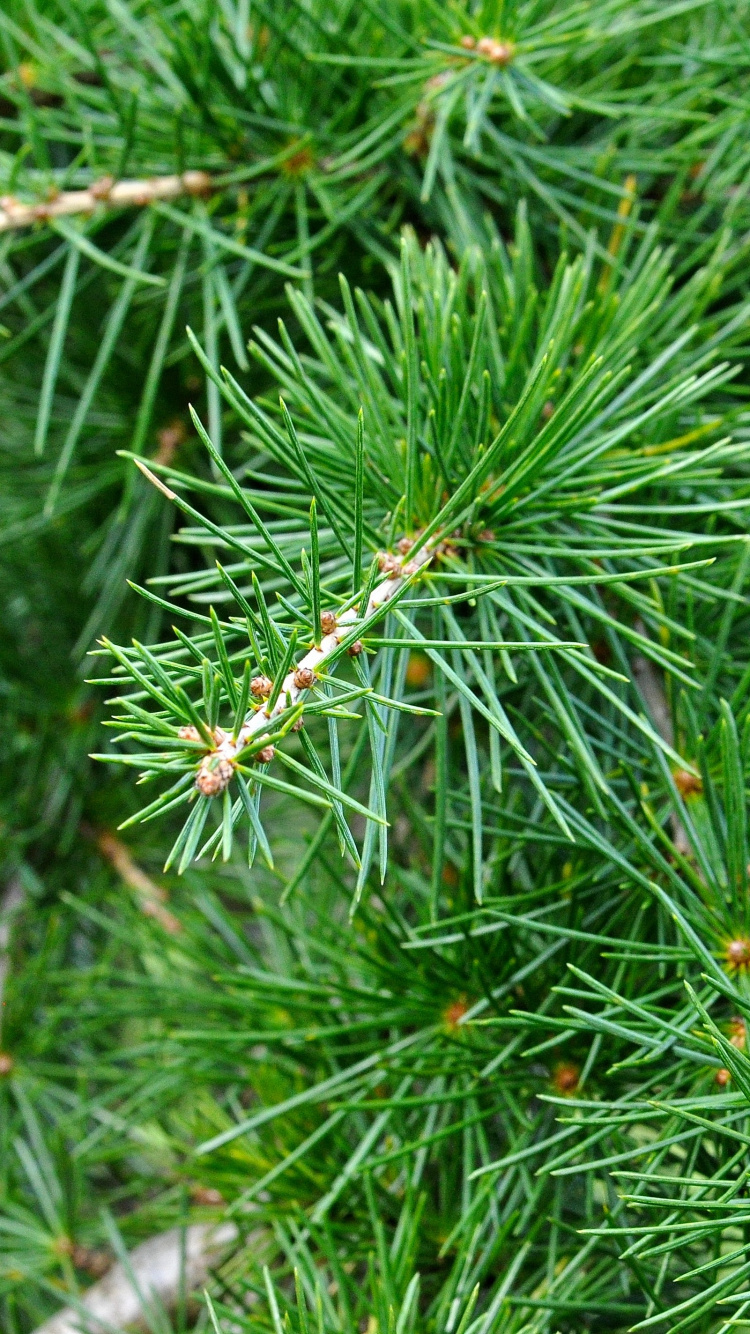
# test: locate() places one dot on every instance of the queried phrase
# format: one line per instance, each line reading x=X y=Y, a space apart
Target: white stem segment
x=161 y=1267
x=259 y=722
x=104 y=193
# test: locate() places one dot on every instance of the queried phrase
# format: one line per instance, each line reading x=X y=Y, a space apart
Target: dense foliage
x=375 y=554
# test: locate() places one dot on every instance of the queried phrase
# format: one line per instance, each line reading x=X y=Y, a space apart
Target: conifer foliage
x=375 y=557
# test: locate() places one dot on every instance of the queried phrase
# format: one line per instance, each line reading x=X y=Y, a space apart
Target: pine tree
x=376 y=474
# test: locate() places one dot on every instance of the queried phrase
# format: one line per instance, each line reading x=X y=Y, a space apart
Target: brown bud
x=189 y=733
x=687 y=784
x=102 y=188
x=548 y=409
x=328 y=622
x=454 y=1013
x=265 y=755
x=411 y=567
x=206 y=1195
x=170 y=438
x=214 y=776
x=94 y=1262
x=303 y=160
x=417 y=670
x=304 y=677
x=389 y=564
x=498 y=53
x=468 y=42
x=6 y=1063
x=738 y=953
x=723 y=1077
x=565 y=1077
x=355 y=649
x=297 y=727
x=405 y=545
x=261 y=687
x=417 y=142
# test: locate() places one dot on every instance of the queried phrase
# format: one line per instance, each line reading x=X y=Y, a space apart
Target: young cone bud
x=189 y=733
x=738 y=953
x=261 y=687
x=214 y=776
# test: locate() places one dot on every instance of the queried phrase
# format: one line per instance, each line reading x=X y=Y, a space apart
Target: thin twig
x=151 y=897
x=217 y=767
x=105 y=193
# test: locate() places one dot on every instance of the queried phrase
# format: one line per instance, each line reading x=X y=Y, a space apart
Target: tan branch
x=151 y=897
x=105 y=193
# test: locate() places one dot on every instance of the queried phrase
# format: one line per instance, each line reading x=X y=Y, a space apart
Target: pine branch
x=341 y=632
x=103 y=195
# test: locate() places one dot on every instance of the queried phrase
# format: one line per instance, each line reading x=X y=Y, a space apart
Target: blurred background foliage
x=442 y=1114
